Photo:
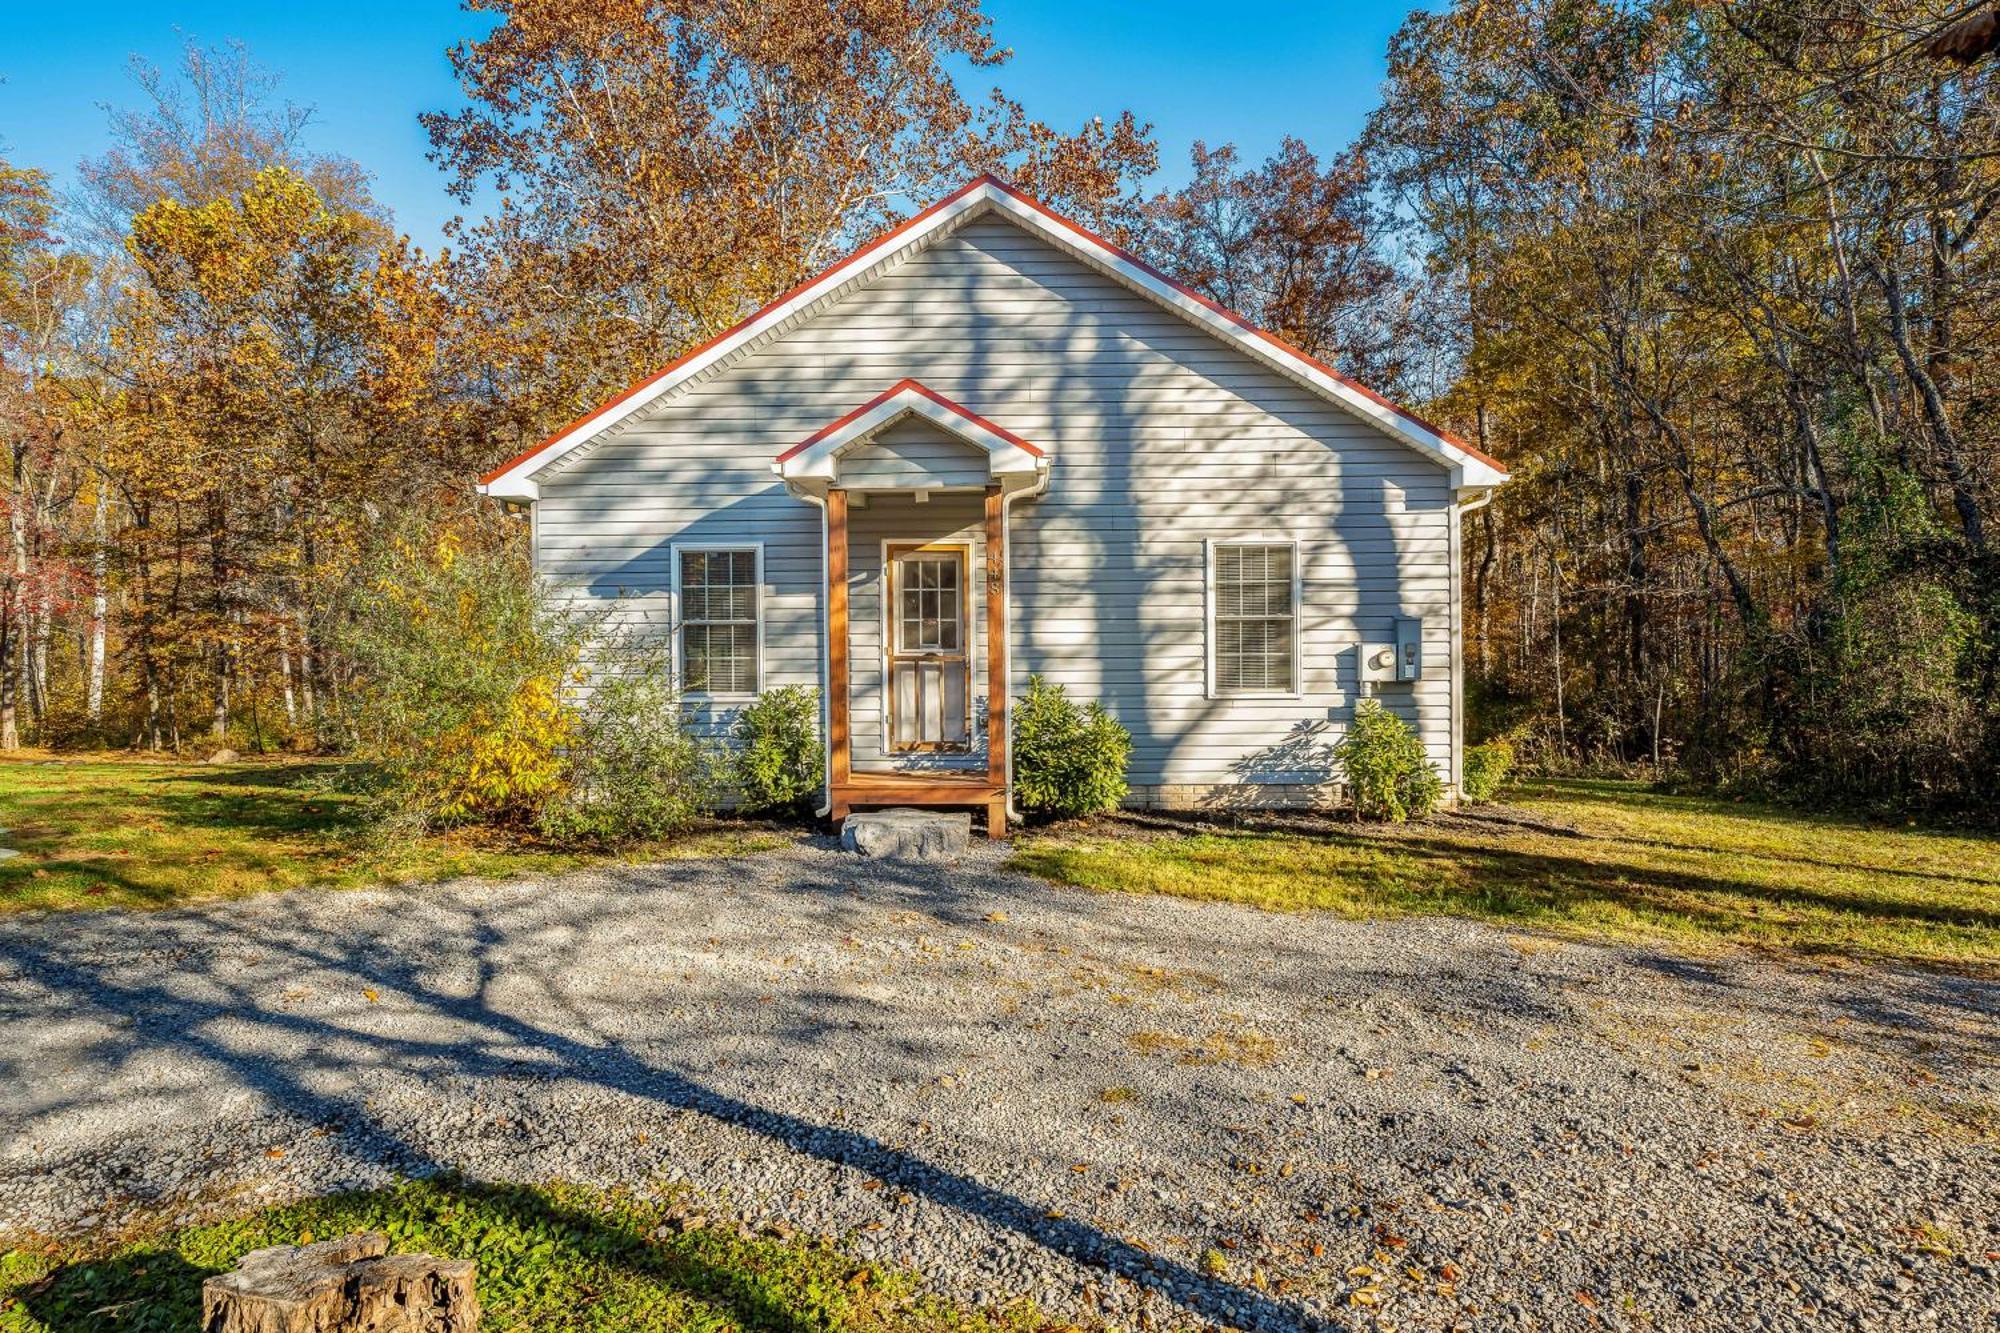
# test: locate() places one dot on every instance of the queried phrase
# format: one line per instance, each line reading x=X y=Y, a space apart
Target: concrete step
x=908 y=835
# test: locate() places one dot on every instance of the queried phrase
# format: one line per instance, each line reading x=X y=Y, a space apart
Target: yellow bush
x=495 y=767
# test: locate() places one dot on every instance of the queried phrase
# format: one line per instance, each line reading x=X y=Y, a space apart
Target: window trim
x=1210 y=545
x=679 y=620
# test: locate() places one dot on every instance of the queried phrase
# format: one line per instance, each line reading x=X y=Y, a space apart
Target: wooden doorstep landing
x=923 y=789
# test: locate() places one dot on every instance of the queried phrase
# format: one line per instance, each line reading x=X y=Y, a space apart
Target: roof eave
x=1469 y=468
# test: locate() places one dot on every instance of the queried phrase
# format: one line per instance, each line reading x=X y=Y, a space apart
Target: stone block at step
x=908 y=835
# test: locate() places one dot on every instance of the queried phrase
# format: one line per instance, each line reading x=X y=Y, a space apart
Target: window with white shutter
x=719 y=604
x=1253 y=602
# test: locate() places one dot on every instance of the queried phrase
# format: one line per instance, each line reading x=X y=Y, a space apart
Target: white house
x=989 y=444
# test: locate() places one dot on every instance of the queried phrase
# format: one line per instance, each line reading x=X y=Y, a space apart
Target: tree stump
x=350 y=1285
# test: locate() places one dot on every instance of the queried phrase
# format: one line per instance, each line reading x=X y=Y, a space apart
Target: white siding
x=912 y=454
x=1161 y=438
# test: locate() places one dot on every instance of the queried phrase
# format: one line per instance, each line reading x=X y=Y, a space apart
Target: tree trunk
x=1964 y=492
x=285 y=666
x=13 y=622
x=10 y=734
x=100 y=603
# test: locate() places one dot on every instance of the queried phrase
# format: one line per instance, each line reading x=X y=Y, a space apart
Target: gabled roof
x=813 y=456
x=514 y=479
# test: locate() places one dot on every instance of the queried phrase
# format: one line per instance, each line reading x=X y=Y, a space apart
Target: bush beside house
x=1069 y=758
x=780 y=761
x=1486 y=768
x=470 y=704
x=634 y=772
x=457 y=699
x=1389 y=776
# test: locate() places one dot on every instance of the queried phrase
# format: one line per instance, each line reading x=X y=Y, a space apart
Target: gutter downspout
x=1007 y=499
x=1459 y=509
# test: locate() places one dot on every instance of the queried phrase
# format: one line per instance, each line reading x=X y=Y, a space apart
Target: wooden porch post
x=996 y=665
x=838 y=695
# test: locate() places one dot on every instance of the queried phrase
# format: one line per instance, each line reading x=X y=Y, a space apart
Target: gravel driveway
x=1141 y=1110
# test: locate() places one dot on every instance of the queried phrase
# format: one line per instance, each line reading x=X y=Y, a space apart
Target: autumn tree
x=1297 y=245
x=38 y=287
x=202 y=131
x=661 y=167
x=283 y=364
x=1713 y=262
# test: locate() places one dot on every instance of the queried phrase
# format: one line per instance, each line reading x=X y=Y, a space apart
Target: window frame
x=1210 y=547
x=680 y=620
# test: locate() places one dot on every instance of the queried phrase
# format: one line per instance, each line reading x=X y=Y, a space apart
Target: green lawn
x=127 y=833
x=1593 y=859
x=557 y=1259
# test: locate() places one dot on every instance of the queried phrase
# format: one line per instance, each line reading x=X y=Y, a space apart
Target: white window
x=719 y=643
x=1253 y=607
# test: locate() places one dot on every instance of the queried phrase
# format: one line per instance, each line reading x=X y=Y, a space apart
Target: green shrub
x=1388 y=774
x=1486 y=767
x=634 y=772
x=1069 y=759
x=780 y=763
x=462 y=665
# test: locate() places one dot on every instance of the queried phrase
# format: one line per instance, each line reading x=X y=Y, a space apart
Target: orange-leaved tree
x=658 y=168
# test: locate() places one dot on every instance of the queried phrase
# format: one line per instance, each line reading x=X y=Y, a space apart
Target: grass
x=1606 y=860
x=550 y=1258
x=1248 y=1047
x=120 y=832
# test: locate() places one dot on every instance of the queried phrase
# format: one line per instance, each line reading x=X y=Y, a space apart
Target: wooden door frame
x=891 y=549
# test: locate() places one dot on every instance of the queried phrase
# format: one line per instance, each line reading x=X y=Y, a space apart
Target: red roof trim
x=1092 y=238
x=900 y=387
x=1240 y=322
x=742 y=324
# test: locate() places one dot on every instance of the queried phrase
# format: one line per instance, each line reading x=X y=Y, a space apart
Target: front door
x=930 y=704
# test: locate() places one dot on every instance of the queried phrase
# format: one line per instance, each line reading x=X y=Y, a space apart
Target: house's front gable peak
x=988 y=194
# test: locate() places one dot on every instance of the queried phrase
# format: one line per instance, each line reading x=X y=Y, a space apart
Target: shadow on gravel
x=201 y=1005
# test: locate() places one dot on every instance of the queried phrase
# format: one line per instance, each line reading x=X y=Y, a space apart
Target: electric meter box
x=1377 y=663
x=1409 y=648
x=1388 y=663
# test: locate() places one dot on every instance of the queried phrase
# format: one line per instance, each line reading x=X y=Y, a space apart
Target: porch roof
x=816 y=459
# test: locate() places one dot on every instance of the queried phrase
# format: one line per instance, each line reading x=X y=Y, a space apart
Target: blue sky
x=1245 y=72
